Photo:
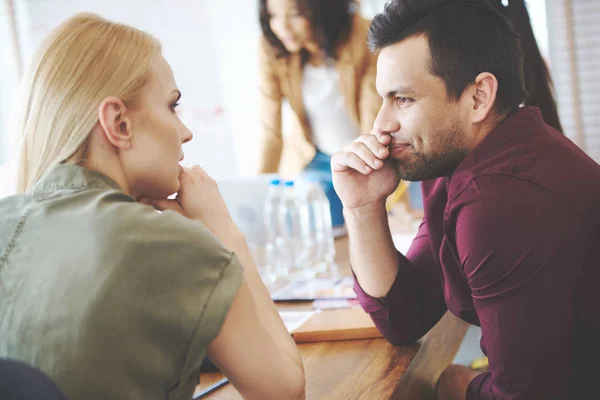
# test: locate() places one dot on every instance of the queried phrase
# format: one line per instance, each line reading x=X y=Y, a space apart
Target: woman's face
x=152 y=165
x=289 y=25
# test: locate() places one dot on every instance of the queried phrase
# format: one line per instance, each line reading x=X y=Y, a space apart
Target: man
x=512 y=208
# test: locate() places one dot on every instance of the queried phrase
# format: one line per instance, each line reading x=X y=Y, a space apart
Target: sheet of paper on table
x=294 y=319
x=402 y=241
x=318 y=288
x=336 y=315
x=336 y=324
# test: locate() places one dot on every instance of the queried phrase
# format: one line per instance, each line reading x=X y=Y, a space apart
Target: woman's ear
x=114 y=118
x=484 y=92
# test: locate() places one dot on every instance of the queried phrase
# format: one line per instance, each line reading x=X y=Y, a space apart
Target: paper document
x=294 y=319
x=319 y=288
x=402 y=241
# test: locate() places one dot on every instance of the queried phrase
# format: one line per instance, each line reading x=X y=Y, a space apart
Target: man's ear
x=114 y=118
x=483 y=96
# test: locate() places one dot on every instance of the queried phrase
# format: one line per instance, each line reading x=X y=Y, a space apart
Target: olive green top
x=110 y=298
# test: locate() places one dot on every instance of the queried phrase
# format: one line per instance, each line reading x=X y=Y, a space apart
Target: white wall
x=8 y=86
x=235 y=29
x=211 y=46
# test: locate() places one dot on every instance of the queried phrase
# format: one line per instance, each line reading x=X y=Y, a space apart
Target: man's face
x=427 y=128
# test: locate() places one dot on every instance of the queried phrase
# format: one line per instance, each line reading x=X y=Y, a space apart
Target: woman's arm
x=253 y=349
x=270 y=142
x=369 y=100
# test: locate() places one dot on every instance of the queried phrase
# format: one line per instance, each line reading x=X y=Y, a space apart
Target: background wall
x=212 y=47
x=575 y=51
x=212 y=50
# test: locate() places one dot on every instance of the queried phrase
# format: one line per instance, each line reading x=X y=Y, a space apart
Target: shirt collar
x=509 y=132
x=72 y=176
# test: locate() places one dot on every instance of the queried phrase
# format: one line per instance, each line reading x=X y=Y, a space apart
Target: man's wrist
x=365 y=213
x=367 y=210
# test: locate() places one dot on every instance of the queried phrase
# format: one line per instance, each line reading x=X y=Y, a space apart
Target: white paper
x=294 y=319
x=402 y=241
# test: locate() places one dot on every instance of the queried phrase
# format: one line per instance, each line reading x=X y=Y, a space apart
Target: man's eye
x=402 y=101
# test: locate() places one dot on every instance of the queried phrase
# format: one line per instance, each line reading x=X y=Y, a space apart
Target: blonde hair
x=83 y=61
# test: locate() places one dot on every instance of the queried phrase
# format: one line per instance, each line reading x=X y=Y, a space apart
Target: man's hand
x=453 y=383
x=363 y=174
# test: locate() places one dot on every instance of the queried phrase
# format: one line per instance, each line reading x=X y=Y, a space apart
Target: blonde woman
x=110 y=298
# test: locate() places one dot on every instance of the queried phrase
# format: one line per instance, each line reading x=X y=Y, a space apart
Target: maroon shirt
x=510 y=242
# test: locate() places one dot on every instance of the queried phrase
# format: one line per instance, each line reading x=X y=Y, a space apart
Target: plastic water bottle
x=308 y=215
x=317 y=232
x=272 y=231
x=324 y=232
x=289 y=248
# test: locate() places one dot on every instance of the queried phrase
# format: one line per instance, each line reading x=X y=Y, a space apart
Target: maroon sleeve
x=415 y=302
x=518 y=245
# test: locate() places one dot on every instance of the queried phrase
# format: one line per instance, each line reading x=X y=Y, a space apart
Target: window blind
x=574 y=38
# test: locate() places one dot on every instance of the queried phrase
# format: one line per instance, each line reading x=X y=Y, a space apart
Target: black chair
x=19 y=381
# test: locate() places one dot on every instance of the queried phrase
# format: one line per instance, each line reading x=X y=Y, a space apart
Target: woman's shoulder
x=361 y=22
x=355 y=49
x=360 y=28
x=355 y=46
x=13 y=212
x=152 y=250
x=266 y=50
x=166 y=271
x=138 y=230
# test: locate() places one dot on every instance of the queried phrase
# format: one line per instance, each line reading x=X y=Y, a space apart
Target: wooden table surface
x=369 y=369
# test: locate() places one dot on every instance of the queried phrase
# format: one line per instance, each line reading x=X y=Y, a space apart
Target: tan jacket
x=282 y=79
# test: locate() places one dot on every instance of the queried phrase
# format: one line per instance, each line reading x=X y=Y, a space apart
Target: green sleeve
x=168 y=288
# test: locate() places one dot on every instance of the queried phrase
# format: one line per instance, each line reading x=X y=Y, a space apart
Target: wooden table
x=369 y=369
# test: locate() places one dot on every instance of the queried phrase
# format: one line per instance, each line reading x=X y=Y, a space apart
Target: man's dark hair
x=466 y=38
x=331 y=21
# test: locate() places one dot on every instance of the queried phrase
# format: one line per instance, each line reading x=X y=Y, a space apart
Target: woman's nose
x=187 y=134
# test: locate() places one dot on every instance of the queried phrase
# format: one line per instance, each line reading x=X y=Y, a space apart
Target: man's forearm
x=372 y=252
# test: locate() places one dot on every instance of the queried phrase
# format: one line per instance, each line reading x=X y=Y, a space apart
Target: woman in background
x=108 y=297
x=538 y=82
x=313 y=53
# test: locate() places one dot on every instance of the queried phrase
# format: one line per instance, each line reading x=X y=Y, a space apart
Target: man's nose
x=386 y=121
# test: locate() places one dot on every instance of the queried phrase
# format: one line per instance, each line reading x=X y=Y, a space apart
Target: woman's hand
x=199 y=198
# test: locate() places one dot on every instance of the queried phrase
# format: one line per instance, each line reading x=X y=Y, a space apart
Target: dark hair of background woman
x=538 y=81
x=331 y=21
